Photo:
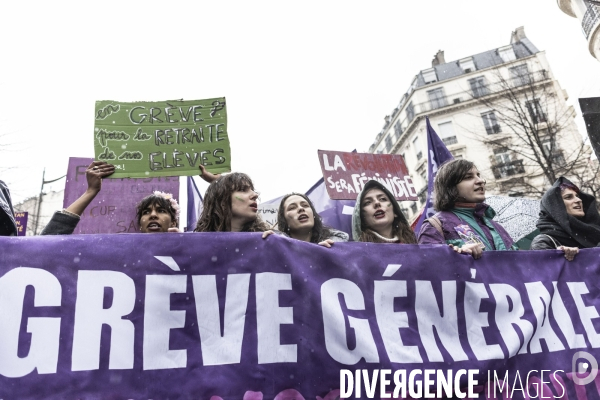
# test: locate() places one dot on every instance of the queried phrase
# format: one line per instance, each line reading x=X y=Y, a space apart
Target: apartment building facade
x=466 y=101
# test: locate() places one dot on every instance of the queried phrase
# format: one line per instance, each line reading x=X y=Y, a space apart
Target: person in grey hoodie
x=377 y=217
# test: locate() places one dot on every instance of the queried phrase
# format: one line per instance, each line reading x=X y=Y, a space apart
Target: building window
x=397 y=129
x=549 y=149
x=478 y=86
x=504 y=167
x=446 y=133
x=467 y=64
x=429 y=75
x=410 y=112
x=437 y=98
x=507 y=53
x=413 y=208
x=417 y=148
x=490 y=122
x=519 y=75
x=388 y=143
x=502 y=157
x=535 y=111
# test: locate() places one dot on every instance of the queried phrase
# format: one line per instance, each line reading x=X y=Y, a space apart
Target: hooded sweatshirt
x=8 y=226
x=357 y=228
x=566 y=229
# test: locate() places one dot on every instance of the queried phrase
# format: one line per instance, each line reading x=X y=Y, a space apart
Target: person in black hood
x=8 y=226
x=568 y=221
x=377 y=217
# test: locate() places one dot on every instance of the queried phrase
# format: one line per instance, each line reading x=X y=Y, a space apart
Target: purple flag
x=437 y=154
x=21 y=221
x=194 y=204
x=233 y=316
x=335 y=213
x=113 y=209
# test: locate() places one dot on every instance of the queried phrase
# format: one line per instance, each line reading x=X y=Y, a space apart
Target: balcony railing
x=449 y=140
x=590 y=19
x=413 y=110
x=505 y=170
x=491 y=129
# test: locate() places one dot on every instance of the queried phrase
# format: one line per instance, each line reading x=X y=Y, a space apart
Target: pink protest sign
x=346 y=173
x=113 y=209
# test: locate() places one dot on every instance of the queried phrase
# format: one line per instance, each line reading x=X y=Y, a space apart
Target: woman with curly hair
x=157 y=213
x=230 y=205
x=298 y=219
x=377 y=217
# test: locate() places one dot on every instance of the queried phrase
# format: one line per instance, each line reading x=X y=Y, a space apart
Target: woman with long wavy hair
x=298 y=219
x=377 y=217
x=231 y=205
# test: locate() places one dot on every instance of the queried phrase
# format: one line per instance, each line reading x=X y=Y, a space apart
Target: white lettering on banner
x=397 y=186
x=45 y=332
x=476 y=320
x=90 y=315
x=269 y=317
x=391 y=321
x=564 y=322
x=586 y=313
x=429 y=316
x=507 y=315
x=539 y=298
x=334 y=323
x=432 y=309
x=226 y=347
x=337 y=163
x=159 y=319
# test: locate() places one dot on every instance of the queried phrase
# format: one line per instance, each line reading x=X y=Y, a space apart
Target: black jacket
x=564 y=228
x=8 y=226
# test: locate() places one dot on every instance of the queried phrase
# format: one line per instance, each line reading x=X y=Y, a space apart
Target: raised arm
x=94 y=174
x=208 y=176
x=64 y=222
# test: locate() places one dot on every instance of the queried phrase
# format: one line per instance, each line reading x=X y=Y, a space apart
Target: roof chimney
x=438 y=58
x=517 y=35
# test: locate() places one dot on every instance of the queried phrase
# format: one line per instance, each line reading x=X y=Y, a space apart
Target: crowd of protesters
x=568 y=221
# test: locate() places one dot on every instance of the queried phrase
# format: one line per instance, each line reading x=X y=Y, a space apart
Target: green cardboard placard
x=163 y=138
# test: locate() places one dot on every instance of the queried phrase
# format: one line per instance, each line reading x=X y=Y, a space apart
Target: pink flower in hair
x=172 y=200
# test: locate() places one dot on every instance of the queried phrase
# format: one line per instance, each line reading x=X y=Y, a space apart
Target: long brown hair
x=320 y=232
x=400 y=227
x=449 y=175
x=216 y=214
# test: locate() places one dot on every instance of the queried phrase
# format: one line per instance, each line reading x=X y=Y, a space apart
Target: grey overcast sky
x=298 y=76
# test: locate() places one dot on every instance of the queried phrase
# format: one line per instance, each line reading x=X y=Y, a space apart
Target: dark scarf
x=567 y=229
x=8 y=227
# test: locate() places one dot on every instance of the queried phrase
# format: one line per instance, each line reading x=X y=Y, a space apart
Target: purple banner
x=233 y=316
x=21 y=221
x=113 y=209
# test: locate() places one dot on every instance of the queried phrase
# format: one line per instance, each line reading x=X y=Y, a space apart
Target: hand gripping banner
x=233 y=316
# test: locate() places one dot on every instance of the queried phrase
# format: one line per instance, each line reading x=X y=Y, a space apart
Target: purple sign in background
x=113 y=209
x=219 y=315
x=21 y=221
